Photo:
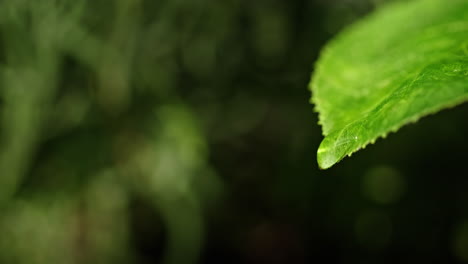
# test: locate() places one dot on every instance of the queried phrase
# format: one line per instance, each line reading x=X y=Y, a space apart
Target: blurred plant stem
x=33 y=35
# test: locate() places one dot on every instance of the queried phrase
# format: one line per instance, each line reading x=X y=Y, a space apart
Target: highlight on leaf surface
x=404 y=61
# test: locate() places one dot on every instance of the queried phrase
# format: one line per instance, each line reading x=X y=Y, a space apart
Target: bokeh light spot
x=384 y=185
x=373 y=229
x=460 y=243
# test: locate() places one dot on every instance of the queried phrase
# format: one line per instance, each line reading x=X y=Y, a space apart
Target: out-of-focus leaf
x=403 y=62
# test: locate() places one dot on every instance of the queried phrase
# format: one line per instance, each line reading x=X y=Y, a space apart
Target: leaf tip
x=326 y=158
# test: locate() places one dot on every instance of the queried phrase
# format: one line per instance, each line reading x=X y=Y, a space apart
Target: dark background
x=188 y=137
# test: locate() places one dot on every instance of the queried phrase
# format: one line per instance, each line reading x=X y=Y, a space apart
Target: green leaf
x=405 y=61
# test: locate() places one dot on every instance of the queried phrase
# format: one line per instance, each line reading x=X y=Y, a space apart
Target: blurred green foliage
x=140 y=131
